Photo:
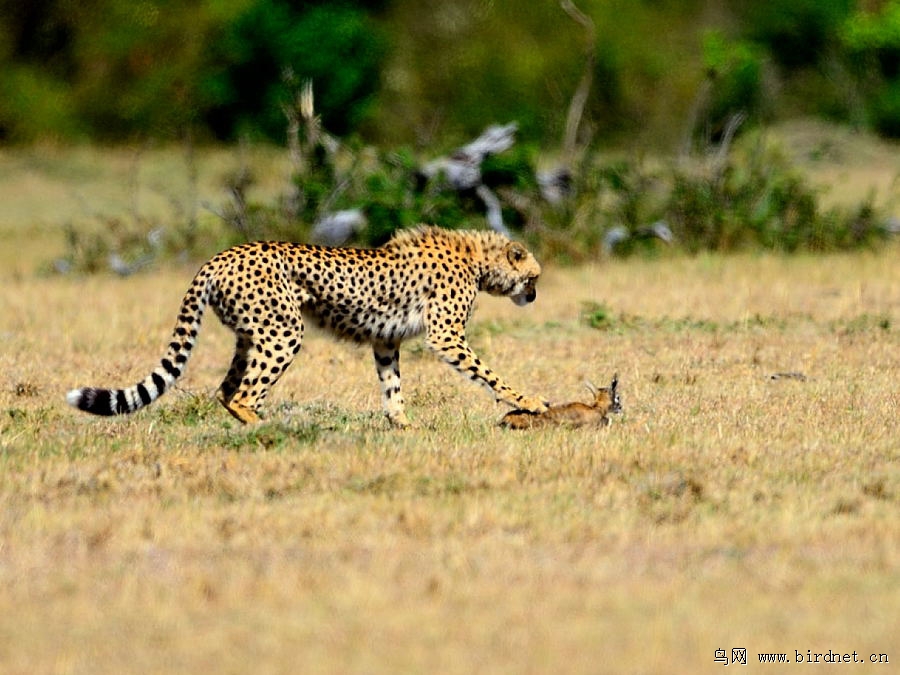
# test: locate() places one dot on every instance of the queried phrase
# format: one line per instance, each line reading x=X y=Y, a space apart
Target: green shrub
x=33 y=102
x=761 y=201
x=797 y=33
x=872 y=40
x=875 y=37
x=735 y=70
x=885 y=110
x=737 y=198
x=335 y=45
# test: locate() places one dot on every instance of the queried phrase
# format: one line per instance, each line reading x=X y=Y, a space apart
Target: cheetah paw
x=399 y=421
x=532 y=404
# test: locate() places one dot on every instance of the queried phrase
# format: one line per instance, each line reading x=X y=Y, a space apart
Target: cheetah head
x=513 y=272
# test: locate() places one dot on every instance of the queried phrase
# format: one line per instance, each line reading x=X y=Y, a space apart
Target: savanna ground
x=724 y=509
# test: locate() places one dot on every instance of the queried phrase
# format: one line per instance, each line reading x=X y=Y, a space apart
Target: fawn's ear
x=591 y=388
x=614 y=383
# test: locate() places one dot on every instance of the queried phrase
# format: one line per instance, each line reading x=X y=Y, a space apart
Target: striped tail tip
x=74 y=398
x=96 y=401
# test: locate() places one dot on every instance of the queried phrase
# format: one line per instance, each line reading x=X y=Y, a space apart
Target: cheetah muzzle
x=525 y=297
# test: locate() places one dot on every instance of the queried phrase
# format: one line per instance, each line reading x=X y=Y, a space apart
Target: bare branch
x=580 y=97
x=731 y=126
x=462 y=169
x=494 y=210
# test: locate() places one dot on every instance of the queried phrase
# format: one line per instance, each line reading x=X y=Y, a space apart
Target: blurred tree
x=35 y=64
x=139 y=64
x=797 y=33
x=876 y=36
x=258 y=60
x=154 y=67
x=404 y=71
x=116 y=68
x=461 y=64
x=38 y=33
x=873 y=42
x=734 y=71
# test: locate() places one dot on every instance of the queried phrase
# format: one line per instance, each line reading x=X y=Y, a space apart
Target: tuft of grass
x=268 y=437
x=188 y=408
x=862 y=323
x=596 y=315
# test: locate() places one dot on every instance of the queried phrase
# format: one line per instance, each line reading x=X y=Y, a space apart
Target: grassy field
x=724 y=509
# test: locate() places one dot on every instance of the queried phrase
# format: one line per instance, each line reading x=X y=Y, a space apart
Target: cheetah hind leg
x=232 y=382
x=257 y=365
x=238 y=411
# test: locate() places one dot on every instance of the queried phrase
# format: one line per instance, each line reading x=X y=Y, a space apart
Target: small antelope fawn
x=606 y=401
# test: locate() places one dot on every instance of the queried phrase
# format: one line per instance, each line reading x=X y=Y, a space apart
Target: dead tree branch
x=580 y=97
x=462 y=169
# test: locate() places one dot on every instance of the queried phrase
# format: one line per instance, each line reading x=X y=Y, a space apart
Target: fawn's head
x=607 y=399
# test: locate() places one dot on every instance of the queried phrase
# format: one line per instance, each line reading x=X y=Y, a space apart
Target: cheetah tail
x=171 y=367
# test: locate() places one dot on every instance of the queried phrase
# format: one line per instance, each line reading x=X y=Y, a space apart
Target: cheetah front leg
x=387 y=363
x=451 y=346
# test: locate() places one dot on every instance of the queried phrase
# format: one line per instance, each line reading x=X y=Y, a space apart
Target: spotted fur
x=422 y=281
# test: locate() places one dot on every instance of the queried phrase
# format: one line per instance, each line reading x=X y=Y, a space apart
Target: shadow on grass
x=291 y=424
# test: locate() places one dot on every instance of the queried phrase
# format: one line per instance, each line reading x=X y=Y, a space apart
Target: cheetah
x=423 y=280
x=596 y=413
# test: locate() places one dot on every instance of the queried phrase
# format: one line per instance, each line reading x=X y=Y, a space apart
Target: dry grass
x=723 y=509
x=46 y=187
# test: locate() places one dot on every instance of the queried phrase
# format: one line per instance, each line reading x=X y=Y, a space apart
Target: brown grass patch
x=723 y=509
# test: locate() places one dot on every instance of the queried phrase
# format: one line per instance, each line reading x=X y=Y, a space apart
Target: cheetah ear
x=515 y=252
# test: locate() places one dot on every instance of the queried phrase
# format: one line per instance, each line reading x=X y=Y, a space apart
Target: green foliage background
x=408 y=72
